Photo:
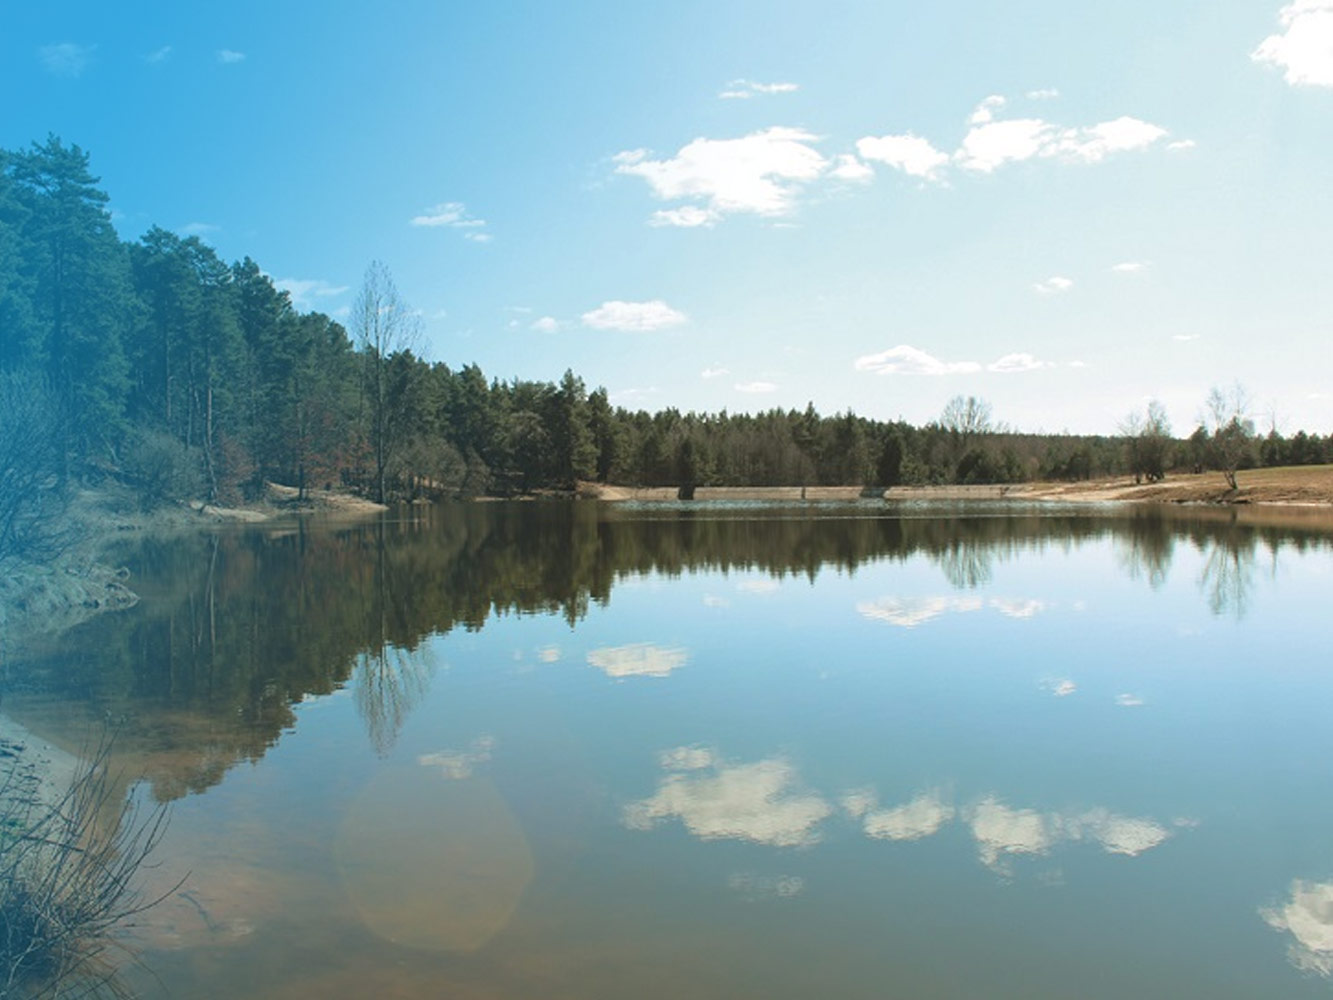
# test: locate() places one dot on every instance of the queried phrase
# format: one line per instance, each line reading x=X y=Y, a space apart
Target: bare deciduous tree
x=382 y=326
x=30 y=492
x=1227 y=417
x=1147 y=442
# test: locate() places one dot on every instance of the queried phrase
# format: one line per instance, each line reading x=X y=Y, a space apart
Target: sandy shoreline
x=49 y=770
x=1287 y=488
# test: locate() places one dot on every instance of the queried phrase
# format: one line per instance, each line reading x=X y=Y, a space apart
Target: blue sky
x=1064 y=209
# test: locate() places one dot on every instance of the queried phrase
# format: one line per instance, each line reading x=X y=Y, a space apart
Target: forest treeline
x=157 y=362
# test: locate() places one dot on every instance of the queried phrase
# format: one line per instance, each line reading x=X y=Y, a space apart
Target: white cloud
x=640 y=659
x=1078 y=364
x=158 y=55
x=229 y=57
x=1304 y=49
x=198 y=229
x=755 y=802
x=1128 y=700
x=992 y=144
x=1044 y=94
x=756 y=387
x=713 y=601
x=1180 y=145
x=549 y=654
x=685 y=217
x=909 y=612
x=1185 y=338
x=453 y=215
x=985 y=111
x=988 y=146
x=907 y=360
x=66 y=58
x=909 y=153
x=714 y=371
x=1308 y=916
x=305 y=292
x=740 y=90
x=456 y=765
x=546 y=324
x=1061 y=687
x=638 y=317
x=1053 y=285
x=1094 y=144
x=761 y=173
x=921 y=817
x=1022 y=362
x=847 y=167
x=759 y=587
x=1131 y=266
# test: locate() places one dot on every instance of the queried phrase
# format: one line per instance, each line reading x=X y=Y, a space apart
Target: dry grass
x=67 y=871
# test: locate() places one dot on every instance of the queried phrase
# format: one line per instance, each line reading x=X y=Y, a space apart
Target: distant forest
x=158 y=364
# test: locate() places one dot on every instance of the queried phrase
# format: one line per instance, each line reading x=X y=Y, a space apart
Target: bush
x=162 y=468
x=66 y=873
x=31 y=493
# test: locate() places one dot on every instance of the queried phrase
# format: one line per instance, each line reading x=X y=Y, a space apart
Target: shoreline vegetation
x=46 y=598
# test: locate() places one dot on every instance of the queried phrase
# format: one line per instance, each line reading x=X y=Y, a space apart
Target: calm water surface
x=567 y=751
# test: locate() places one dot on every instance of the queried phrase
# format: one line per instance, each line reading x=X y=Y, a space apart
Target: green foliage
x=1148 y=445
x=161 y=337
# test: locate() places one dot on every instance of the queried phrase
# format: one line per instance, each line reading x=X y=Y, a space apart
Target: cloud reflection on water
x=763 y=802
x=1308 y=916
x=909 y=612
x=456 y=765
x=759 y=802
x=1002 y=832
x=640 y=659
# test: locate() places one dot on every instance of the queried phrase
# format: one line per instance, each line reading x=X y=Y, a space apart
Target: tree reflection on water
x=237 y=628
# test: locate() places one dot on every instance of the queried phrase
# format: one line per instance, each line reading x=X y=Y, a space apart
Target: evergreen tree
x=82 y=304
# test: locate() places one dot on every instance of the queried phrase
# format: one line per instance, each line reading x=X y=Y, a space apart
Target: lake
x=551 y=750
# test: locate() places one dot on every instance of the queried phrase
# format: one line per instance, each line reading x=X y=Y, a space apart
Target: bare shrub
x=30 y=488
x=67 y=872
x=162 y=468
